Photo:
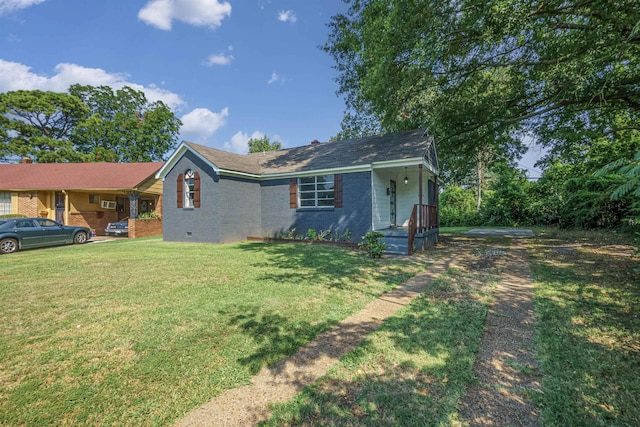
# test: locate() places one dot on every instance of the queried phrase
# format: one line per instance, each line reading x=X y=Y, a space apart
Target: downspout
x=67 y=207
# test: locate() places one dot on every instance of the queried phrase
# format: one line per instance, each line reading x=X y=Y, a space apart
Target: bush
x=375 y=248
x=457 y=207
x=149 y=215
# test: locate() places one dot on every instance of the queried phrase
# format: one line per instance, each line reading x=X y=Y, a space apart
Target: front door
x=392 y=203
x=60 y=207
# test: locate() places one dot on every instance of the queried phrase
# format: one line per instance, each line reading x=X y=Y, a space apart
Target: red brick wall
x=28 y=204
x=159 y=205
x=145 y=228
x=96 y=220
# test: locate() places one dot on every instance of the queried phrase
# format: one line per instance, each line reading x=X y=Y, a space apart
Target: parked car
x=120 y=228
x=23 y=233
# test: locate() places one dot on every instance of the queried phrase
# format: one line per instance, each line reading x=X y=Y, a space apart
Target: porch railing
x=423 y=218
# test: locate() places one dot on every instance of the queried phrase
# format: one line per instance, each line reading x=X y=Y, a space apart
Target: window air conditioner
x=108 y=204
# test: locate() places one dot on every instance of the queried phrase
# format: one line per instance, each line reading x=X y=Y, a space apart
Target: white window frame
x=189 y=188
x=312 y=195
x=5 y=203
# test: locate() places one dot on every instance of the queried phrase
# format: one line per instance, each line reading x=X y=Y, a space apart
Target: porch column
x=420 y=219
x=133 y=204
x=437 y=200
x=420 y=184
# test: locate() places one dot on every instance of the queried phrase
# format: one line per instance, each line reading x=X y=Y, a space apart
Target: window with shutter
x=196 y=190
x=337 y=192
x=179 y=195
x=316 y=191
x=189 y=189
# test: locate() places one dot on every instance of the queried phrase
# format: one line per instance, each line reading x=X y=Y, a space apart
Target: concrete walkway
x=499 y=232
x=247 y=405
x=505 y=366
x=507 y=345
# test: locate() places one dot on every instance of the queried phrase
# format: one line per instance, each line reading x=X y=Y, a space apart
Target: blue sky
x=230 y=70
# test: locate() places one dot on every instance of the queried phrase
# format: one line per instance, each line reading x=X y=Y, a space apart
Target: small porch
x=420 y=233
x=405 y=206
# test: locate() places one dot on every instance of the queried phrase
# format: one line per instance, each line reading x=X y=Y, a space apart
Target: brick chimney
x=26 y=160
x=315 y=142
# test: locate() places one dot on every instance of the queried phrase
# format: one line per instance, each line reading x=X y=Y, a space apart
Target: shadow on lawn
x=587 y=331
x=297 y=259
x=276 y=335
x=413 y=375
x=333 y=267
x=314 y=267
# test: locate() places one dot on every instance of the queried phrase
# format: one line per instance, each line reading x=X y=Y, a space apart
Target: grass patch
x=139 y=332
x=587 y=299
x=413 y=370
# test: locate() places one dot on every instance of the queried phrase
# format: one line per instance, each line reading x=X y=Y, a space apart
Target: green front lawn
x=140 y=332
x=588 y=323
x=415 y=368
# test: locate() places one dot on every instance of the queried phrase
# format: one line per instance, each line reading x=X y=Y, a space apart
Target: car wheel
x=80 y=238
x=8 y=246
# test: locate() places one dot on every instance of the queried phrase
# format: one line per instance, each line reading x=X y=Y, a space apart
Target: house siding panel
x=193 y=224
x=355 y=214
x=240 y=199
x=381 y=200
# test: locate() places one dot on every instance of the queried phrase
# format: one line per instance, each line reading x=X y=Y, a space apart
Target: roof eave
x=177 y=155
x=294 y=174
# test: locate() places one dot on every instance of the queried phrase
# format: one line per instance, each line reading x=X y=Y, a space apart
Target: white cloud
x=275 y=77
x=287 y=16
x=11 y=5
x=240 y=142
x=202 y=122
x=219 y=59
x=161 y=13
x=16 y=76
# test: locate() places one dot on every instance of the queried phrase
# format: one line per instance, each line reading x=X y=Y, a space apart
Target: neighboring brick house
x=87 y=194
x=385 y=183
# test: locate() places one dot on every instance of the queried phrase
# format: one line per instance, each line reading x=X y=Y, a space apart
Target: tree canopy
x=85 y=124
x=259 y=145
x=123 y=126
x=482 y=73
x=40 y=124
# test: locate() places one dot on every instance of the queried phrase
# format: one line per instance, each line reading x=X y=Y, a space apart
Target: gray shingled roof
x=329 y=155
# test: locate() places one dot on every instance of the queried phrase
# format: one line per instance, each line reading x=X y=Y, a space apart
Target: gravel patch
x=505 y=367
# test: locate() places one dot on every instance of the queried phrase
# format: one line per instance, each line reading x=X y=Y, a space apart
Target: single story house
x=386 y=183
x=84 y=194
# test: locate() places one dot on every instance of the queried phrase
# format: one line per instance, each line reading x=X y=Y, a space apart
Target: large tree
x=479 y=73
x=259 y=145
x=123 y=126
x=39 y=125
x=87 y=124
